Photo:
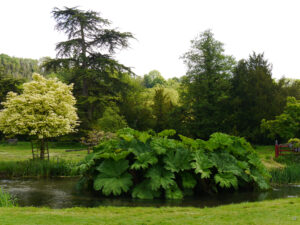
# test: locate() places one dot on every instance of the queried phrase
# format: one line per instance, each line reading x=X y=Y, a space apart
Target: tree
x=45 y=109
x=135 y=105
x=153 y=78
x=88 y=56
x=111 y=121
x=162 y=107
x=253 y=97
x=206 y=85
x=287 y=87
x=18 y=68
x=286 y=125
x=8 y=84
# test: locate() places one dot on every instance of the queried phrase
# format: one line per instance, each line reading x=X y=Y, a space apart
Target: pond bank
x=62 y=193
x=281 y=212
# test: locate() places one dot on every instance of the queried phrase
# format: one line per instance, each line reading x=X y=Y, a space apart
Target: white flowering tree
x=45 y=109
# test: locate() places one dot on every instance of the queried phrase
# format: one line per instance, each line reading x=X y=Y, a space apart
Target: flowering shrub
x=44 y=109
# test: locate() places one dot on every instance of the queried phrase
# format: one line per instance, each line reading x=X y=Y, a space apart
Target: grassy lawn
x=267 y=154
x=22 y=151
x=284 y=211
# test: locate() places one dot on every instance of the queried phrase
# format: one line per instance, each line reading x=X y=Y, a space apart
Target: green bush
x=38 y=168
x=148 y=165
x=6 y=200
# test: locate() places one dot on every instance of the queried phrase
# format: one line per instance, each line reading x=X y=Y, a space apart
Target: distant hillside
x=18 y=67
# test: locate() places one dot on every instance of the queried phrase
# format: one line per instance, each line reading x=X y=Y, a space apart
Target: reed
x=286 y=175
x=38 y=168
x=7 y=200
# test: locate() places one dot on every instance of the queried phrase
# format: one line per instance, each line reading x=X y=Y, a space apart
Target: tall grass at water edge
x=7 y=200
x=38 y=168
x=288 y=174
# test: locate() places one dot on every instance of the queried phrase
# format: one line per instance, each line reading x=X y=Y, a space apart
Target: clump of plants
x=7 y=200
x=147 y=165
x=295 y=142
x=288 y=174
x=38 y=168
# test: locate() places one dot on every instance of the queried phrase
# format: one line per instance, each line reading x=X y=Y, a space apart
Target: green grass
x=38 y=168
x=6 y=200
x=22 y=151
x=284 y=169
x=15 y=160
x=267 y=156
x=286 y=175
x=281 y=212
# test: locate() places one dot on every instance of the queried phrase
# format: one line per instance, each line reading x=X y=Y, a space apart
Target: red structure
x=283 y=149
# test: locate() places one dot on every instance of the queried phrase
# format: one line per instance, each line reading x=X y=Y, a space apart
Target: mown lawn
x=284 y=211
x=22 y=151
x=267 y=154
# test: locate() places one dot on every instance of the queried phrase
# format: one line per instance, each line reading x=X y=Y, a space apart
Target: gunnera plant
x=147 y=165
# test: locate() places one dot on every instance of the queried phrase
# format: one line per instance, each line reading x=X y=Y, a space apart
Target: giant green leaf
x=226 y=163
x=219 y=140
x=173 y=192
x=158 y=145
x=113 y=177
x=254 y=160
x=260 y=180
x=143 y=160
x=226 y=180
x=115 y=155
x=202 y=164
x=144 y=136
x=188 y=180
x=160 y=177
x=113 y=168
x=178 y=160
x=144 y=191
x=167 y=133
x=113 y=185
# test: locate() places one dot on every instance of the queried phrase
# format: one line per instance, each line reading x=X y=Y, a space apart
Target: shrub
x=148 y=165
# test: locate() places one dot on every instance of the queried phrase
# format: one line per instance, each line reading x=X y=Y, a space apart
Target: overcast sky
x=164 y=28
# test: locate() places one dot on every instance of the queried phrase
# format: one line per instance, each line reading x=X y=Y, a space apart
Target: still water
x=61 y=193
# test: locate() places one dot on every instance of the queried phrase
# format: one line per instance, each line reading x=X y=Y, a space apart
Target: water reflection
x=61 y=193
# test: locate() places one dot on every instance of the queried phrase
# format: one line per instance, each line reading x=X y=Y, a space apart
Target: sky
x=163 y=30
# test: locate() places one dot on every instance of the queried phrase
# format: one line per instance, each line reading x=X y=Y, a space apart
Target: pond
x=61 y=193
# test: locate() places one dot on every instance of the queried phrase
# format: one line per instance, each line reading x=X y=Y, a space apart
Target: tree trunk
x=85 y=82
x=42 y=149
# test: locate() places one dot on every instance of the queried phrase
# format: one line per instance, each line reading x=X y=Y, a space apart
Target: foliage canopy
x=286 y=125
x=87 y=58
x=45 y=109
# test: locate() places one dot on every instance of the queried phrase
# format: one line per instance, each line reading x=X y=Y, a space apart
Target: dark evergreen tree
x=253 y=97
x=205 y=86
x=162 y=106
x=7 y=84
x=87 y=56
